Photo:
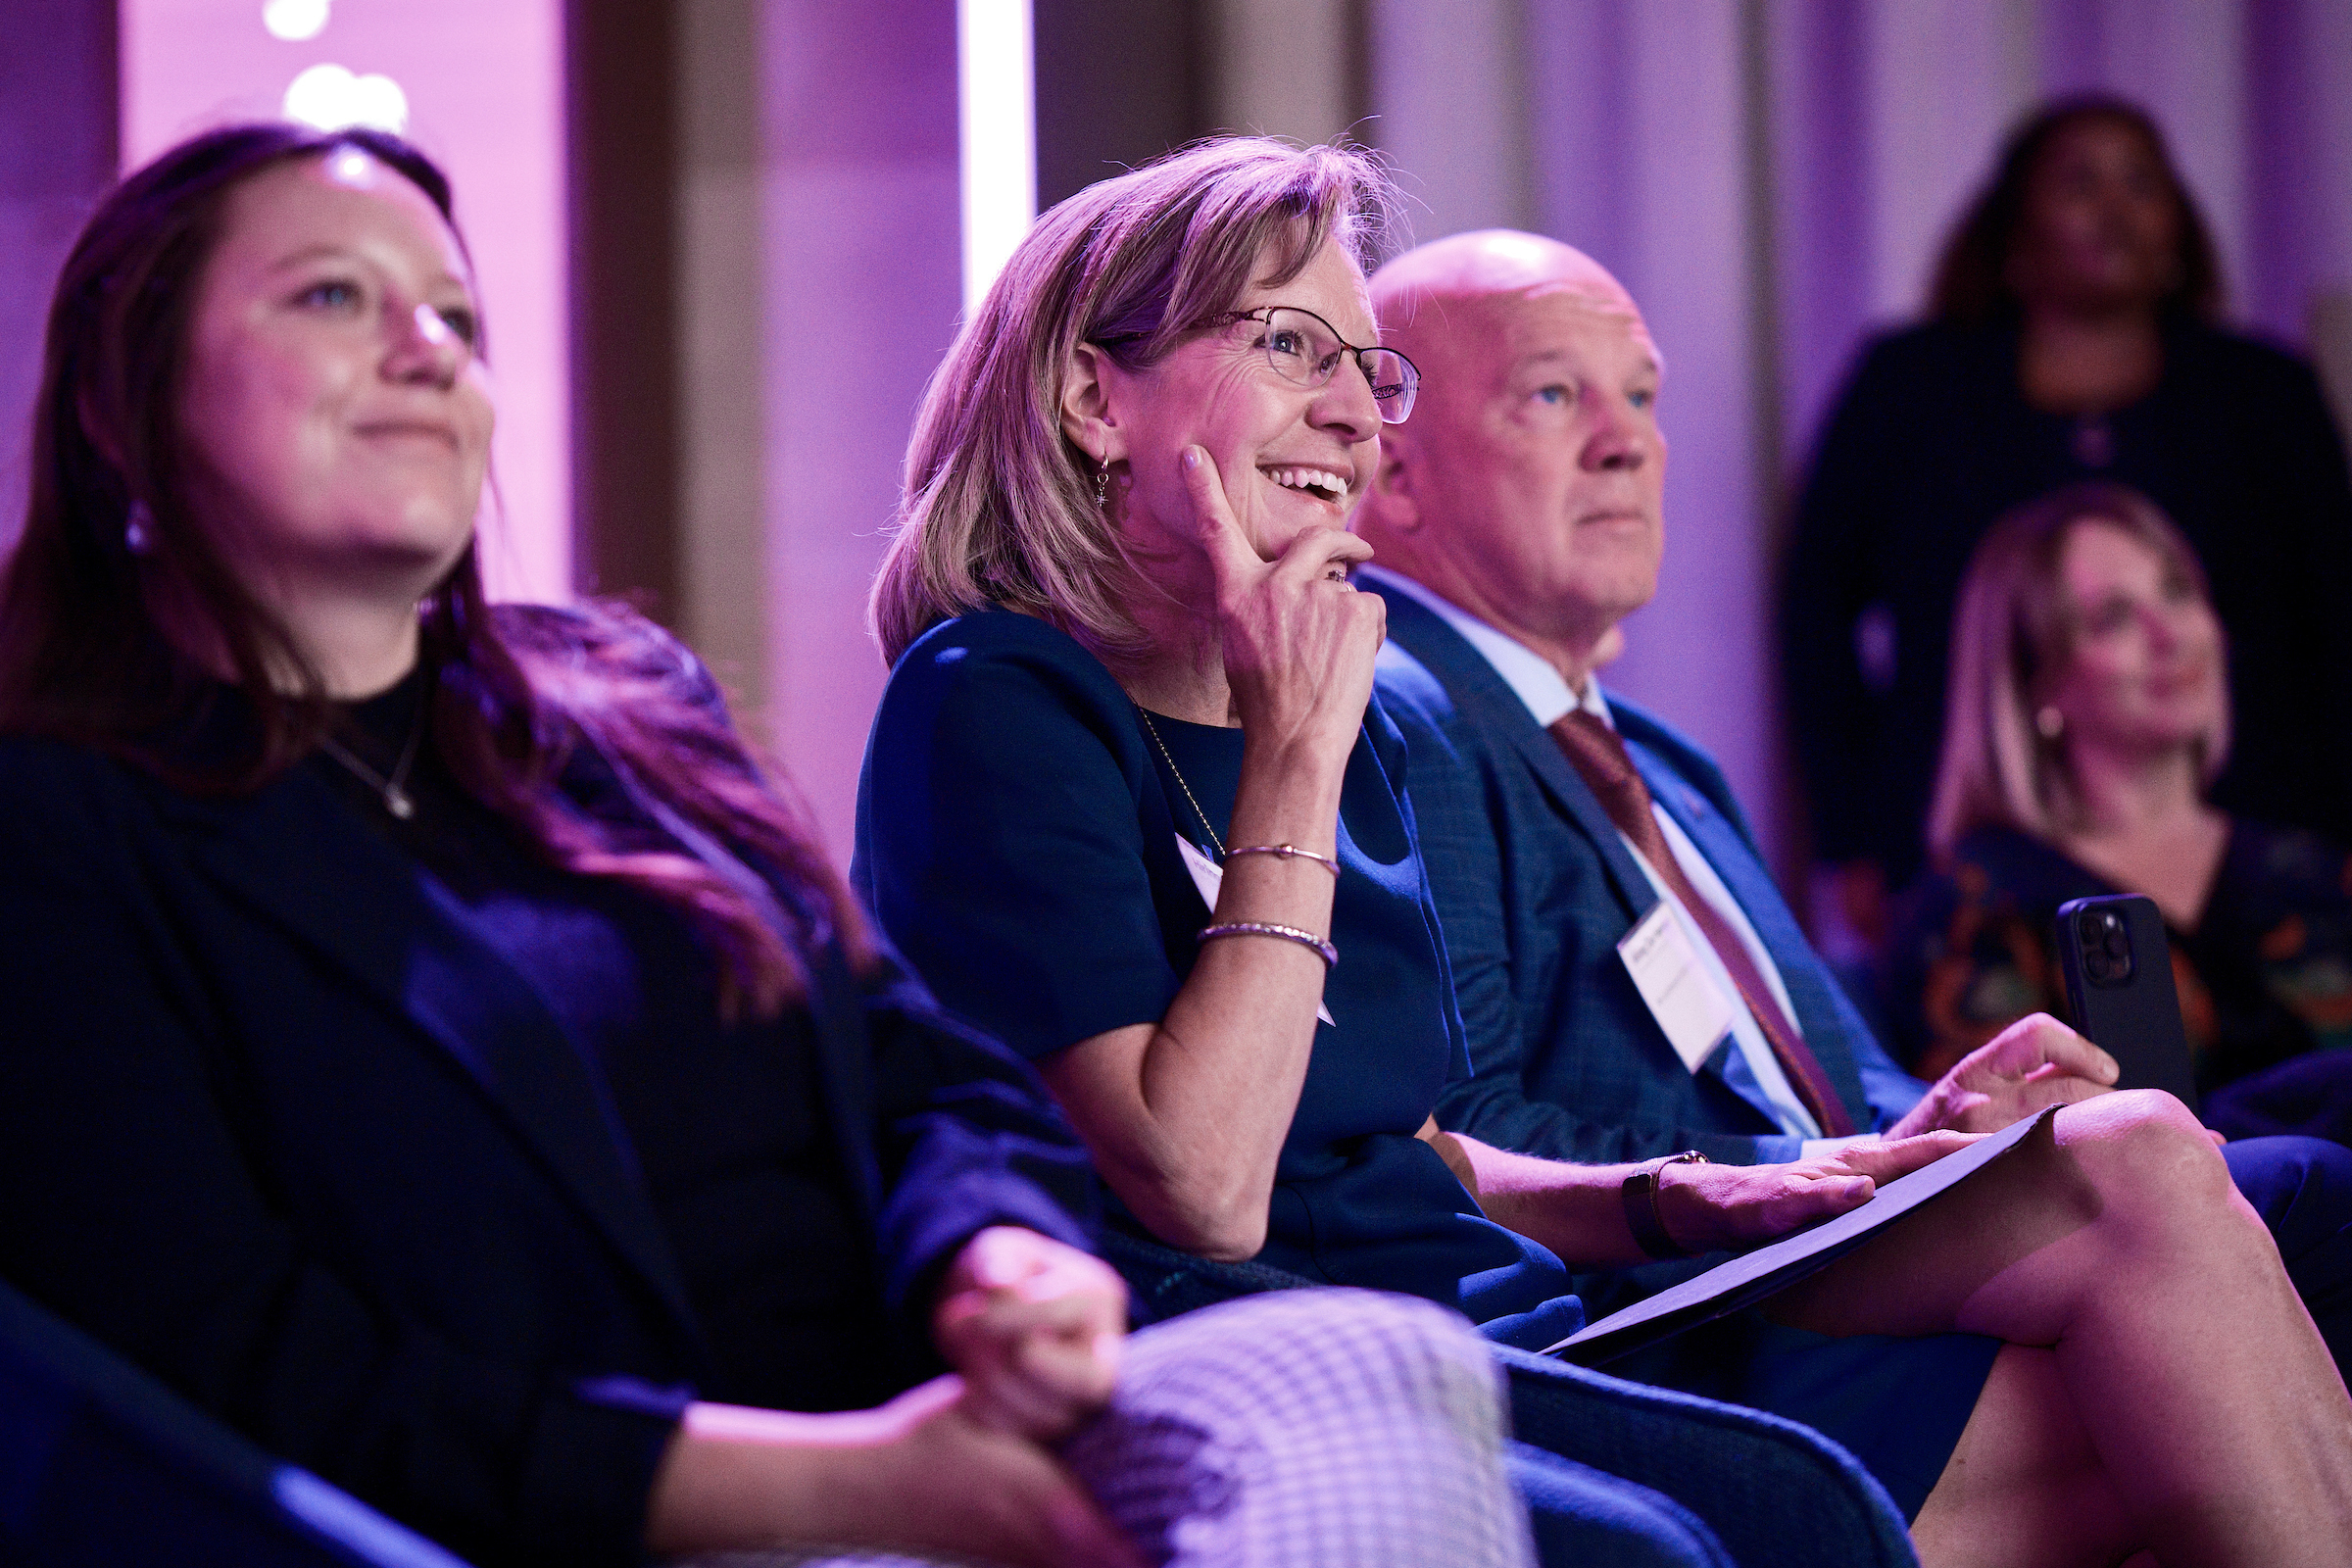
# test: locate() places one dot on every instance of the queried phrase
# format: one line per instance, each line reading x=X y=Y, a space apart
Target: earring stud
x=138 y=530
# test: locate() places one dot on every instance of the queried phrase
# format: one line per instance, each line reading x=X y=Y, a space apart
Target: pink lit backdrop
x=484 y=84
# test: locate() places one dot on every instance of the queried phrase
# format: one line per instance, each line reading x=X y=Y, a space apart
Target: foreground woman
x=2090 y=711
x=1127 y=804
x=433 y=1048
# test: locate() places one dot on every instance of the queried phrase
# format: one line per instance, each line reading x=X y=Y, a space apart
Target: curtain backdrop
x=1773 y=178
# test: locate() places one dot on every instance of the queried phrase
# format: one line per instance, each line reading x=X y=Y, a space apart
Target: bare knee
x=2148 y=1158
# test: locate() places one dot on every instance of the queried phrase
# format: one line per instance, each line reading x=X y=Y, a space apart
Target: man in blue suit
x=1632 y=983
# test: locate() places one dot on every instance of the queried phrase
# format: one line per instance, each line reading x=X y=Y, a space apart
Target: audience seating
x=1776 y=1493
x=103 y=1467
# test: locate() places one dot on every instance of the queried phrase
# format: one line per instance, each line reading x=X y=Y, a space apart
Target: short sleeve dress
x=1018 y=839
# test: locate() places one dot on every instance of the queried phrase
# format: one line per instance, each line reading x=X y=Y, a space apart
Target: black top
x=2266 y=973
x=398 y=1175
x=1017 y=837
x=1932 y=440
x=721 y=1122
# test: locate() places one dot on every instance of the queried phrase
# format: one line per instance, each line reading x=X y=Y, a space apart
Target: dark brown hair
x=521 y=695
x=1971 y=288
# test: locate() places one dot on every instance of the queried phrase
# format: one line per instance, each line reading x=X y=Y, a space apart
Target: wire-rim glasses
x=1304 y=350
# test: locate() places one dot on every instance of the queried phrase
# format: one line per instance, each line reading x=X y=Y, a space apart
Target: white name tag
x=1689 y=1006
x=1208 y=876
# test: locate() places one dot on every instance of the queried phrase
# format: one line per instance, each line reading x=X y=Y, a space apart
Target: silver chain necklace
x=1152 y=730
x=397 y=799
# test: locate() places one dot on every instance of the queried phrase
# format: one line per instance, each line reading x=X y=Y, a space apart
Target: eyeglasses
x=1304 y=350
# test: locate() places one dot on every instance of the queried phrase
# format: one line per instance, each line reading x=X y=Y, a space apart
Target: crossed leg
x=2164 y=1387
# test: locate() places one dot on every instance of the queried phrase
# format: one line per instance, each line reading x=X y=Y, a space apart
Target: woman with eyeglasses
x=1130 y=804
x=434 y=1046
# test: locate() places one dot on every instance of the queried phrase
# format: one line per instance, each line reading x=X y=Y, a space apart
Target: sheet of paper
x=1685 y=999
x=1208 y=876
x=1752 y=1277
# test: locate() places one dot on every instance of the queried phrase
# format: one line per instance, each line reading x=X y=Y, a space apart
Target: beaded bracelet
x=1288 y=852
x=1268 y=928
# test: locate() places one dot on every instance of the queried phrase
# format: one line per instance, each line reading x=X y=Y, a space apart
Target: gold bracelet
x=1268 y=928
x=1288 y=852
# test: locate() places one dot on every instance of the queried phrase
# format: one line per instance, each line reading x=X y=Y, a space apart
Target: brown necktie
x=1598 y=755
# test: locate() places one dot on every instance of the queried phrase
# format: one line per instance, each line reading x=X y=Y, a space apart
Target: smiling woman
x=436 y=1047
x=2089 y=714
x=338 y=421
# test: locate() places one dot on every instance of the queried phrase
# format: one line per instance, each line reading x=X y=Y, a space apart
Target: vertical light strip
x=998 y=122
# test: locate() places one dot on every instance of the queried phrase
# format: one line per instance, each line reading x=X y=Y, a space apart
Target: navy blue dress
x=1017 y=834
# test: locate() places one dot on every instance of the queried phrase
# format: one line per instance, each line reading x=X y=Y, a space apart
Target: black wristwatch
x=1640 y=1193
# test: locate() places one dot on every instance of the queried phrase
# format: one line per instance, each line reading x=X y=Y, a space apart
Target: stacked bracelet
x=1268 y=928
x=1288 y=852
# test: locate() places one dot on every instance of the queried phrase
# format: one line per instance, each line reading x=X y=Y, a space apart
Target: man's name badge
x=1689 y=1006
x=1208 y=876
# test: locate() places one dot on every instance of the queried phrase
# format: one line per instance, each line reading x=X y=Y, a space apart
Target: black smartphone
x=2119 y=983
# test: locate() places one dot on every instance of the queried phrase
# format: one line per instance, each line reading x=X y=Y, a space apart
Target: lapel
x=1494 y=710
x=1728 y=850
x=1488 y=703
x=293 y=854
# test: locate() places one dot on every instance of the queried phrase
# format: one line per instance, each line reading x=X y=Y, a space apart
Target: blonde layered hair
x=998 y=503
x=2012 y=636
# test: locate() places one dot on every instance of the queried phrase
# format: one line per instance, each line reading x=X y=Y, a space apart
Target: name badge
x=1689 y=1006
x=1208 y=876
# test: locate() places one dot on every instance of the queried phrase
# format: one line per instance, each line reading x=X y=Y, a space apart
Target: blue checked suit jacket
x=1535 y=887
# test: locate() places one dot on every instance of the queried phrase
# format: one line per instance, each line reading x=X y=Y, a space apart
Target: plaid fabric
x=1300 y=1428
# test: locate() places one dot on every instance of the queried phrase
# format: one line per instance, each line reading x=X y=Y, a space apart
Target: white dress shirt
x=1550 y=698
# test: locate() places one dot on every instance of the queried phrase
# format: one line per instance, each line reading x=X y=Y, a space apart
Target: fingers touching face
x=1289 y=457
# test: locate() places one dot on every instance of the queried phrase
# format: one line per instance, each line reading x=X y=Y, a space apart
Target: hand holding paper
x=1712 y=1207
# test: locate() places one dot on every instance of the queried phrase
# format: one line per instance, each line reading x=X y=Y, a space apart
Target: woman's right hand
x=1298 y=640
x=967 y=1485
x=925 y=1472
x=1709 y=1208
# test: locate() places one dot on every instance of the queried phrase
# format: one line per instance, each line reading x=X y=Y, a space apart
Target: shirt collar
x=1529 y=675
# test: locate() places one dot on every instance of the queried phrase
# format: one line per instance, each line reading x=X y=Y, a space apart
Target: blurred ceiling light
x=295 y=20
x=330 y=98
x=998 y=122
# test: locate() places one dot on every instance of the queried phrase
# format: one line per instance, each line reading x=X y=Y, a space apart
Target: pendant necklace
x=1152 y=730
x=394 y=789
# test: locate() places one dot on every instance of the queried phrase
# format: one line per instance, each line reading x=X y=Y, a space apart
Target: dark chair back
x=103 y=1467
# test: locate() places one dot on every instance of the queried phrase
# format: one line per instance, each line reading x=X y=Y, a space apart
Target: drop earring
x=138 y=530
x=1102 y=488
x=2049 y=721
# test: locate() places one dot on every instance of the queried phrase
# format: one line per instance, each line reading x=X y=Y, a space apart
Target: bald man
x=1633 y=984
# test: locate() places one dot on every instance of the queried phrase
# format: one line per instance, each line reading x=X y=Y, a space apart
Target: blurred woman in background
x=1131 y=804
x=2089 y=714
x=2074 y=334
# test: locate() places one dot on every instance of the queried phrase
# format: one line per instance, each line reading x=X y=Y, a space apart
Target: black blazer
x=277 y=1124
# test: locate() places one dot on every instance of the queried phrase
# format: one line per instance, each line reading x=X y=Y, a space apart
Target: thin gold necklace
x=1152 y=730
